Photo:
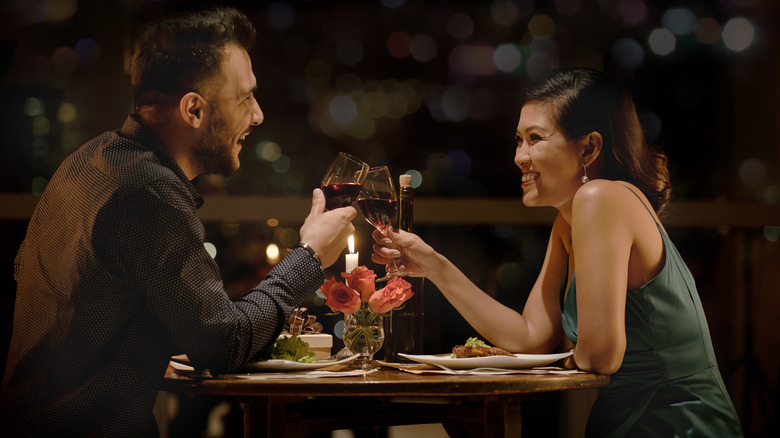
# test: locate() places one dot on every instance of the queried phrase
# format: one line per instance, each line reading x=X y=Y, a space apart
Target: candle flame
x=351 y=244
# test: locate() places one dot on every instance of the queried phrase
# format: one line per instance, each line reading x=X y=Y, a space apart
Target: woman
x=632 y=310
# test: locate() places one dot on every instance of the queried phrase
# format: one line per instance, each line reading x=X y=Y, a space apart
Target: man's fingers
x=317 y=202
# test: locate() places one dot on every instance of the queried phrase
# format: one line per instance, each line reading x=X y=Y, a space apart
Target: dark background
x=712 y=110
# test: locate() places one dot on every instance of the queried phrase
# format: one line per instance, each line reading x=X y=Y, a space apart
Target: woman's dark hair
x=584 y=101
x=181 y=53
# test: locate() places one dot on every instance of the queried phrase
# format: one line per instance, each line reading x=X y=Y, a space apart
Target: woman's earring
x=585 y=174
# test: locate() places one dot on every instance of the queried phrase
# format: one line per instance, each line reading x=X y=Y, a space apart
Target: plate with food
x=289 y=353
x=292 y=353
x=477 y=354
x=291 y=365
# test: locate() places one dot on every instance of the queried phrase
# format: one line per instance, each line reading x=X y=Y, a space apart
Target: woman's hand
x=412 y=255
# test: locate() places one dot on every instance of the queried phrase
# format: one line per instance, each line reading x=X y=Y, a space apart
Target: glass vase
x=364 y=335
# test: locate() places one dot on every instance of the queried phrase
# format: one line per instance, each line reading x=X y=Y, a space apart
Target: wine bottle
x=405 y=327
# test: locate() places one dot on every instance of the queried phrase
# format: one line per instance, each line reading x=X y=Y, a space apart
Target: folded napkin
x=302 y=374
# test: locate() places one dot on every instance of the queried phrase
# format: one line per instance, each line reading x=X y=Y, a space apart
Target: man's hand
x=327 y=231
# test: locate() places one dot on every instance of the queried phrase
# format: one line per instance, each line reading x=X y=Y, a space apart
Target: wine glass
x=343 y=181
x=378 y=201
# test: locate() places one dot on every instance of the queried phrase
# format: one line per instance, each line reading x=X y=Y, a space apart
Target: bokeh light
x=417 y=177
x=61 y=10
x=738 y=34
x=662 y=41
x=268 y=150
x=541 y=25
x=399 y=44
x=67 y=112
x=423 y=48
x=33 y=107
x=211 y=249
x=628 y=53
x=281 y=164
x=41 y=125
x=343 y=110
x=538 y=63
x=87 y=51
x=504 y=12
x=272 y=253
x=772 y=233
x=508 y=57
x=679 y=21
x=35 y=11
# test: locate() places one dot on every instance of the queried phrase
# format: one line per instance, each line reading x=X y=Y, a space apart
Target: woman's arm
x=602 y=241
x=536 y=330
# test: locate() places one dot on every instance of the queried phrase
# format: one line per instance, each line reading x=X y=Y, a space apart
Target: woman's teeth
x=530 y=176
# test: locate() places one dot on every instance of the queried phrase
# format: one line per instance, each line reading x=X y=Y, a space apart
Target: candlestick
x=352 y=257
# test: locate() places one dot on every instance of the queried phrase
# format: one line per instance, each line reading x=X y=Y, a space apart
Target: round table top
x=385 y=382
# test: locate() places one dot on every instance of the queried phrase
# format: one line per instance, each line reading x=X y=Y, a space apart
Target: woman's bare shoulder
x=600 y=194
x=611 y=202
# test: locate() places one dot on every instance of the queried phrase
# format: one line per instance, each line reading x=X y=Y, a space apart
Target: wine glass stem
x=392 y=267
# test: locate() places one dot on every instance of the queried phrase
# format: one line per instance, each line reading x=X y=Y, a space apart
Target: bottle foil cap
x=405 y=180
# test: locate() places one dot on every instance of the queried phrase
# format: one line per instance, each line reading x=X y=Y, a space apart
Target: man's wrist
x=311 y=251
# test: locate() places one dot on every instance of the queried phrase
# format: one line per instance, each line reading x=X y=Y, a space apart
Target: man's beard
x=214 y=153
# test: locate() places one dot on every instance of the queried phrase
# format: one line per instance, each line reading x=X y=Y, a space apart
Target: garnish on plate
x=292 y=348
x=475 y=347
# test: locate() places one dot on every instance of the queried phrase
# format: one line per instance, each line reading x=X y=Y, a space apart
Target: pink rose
x=339 y=297
x=362 y=279
x=391 y=296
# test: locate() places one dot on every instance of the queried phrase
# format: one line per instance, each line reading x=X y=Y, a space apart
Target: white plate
x=289 y=365
x=509 y=362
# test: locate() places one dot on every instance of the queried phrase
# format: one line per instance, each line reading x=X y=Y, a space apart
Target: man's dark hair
x=183 y=52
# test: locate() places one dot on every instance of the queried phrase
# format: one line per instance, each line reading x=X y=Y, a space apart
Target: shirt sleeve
x=181 y=286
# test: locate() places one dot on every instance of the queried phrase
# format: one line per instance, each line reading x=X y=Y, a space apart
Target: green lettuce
x=293 y=348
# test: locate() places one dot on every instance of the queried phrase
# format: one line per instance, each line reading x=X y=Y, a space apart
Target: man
x=113 y=278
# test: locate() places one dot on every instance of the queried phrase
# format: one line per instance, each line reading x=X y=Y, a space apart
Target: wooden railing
x=510 y=211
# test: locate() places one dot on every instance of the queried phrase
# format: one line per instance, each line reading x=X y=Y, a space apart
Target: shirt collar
x=136 y=131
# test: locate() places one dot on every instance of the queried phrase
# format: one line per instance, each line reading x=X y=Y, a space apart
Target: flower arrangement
x=359 y=298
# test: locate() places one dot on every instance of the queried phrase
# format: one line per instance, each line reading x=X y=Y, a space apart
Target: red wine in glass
x=379 y=212
x=340 y=195
x=343 y=181
x=378 y=201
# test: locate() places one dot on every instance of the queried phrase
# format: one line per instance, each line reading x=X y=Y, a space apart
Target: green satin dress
x=669 y=384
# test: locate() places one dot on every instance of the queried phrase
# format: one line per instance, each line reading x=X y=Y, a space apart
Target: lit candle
x=352 y=257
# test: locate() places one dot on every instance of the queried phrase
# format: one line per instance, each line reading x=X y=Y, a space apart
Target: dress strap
x=643 y=203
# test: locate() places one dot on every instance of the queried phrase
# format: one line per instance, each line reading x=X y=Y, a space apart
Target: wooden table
x=466 y=405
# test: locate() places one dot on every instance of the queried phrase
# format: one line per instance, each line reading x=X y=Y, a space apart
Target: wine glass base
x=364 y=364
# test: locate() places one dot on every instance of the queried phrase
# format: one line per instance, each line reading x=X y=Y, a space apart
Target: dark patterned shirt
x=112 y=279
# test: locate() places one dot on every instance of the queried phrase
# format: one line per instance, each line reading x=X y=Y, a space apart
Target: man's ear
x=192 y=107
x=592 y=148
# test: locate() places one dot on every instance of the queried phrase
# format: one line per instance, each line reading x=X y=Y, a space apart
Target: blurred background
x=431 y=88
